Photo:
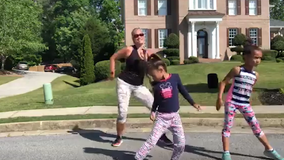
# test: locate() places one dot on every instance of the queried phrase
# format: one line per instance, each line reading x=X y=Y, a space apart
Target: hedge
x=175 y=62
x=236 y=57
x=171 y=52
x=271 y=53
x=191 y=60
x=102 y=70
x=165 y=60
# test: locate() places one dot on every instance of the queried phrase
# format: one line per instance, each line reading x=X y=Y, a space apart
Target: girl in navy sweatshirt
x=166 y=89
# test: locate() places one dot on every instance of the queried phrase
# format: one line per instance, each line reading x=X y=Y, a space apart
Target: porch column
x=213 y=43
x=217 y=55
x=189 y=48
x=193 y=40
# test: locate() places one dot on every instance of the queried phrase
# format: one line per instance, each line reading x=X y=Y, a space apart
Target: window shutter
x=239 y=10
x=148 y=7
x=156 y=7
x=258 y=7
x=259 y=32
x=227 y=7
x=136 y=7
x=156 y=38
x=149 y=38
x=169 y=7
x=228 y=37
x=247 y=33
x=239 y=30
x=247 y=7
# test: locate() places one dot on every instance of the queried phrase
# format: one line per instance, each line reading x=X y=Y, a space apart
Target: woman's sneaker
x=273 y=154
x=226 y=156
x=117 y=142
x=164 y=139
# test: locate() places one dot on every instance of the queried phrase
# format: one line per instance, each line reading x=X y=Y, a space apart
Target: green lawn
x=6 y=79
x=194 y=77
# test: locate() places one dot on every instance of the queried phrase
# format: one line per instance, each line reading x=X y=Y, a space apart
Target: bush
x=279 y=60
x=236 y=58
x=87 y=70
x=276 y=39
x=267 y=58
x=171 y=52
x=239 y=40
x=123 y=65
x=175 y=62
x=238 y=49
x=280 y=55
x=102 y=70
x=9 y=63
x=173 y=58
x=165 y=60
x=270 y=53
x=172 y=41
x=191 y=60
x=278 y=46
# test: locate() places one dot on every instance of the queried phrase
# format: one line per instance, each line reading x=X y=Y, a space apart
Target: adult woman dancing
x=130 y=81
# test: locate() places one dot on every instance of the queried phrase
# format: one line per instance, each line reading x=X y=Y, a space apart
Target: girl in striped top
x=238 y=98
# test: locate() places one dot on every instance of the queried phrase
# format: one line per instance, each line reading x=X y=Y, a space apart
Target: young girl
x=238 y=98
x=166 y=88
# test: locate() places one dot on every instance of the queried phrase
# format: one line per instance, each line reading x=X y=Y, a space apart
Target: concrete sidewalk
x=131 y=110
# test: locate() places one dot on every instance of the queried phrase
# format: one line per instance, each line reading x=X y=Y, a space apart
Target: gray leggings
x=124 y=92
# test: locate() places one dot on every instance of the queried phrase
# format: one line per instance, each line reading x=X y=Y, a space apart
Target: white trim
x=280 y=27
x=195 y=7
x=205 y=19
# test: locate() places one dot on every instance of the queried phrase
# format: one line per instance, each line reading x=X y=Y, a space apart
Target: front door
x=202 y=44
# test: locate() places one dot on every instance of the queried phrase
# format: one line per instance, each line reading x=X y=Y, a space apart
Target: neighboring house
x=276 y=28
x=205 y=27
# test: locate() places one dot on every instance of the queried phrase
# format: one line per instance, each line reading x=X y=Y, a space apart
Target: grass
x=113 y=116
x=194 y=77
x=6 y=79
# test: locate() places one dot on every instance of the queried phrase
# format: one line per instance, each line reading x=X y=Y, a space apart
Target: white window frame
x=252 y=7
x=232 y=7
x=162 y=7
x=207 y=5
x=232 y=33
x=145 y=31
x=253 y=34
x=161 y=38
x=140 y=7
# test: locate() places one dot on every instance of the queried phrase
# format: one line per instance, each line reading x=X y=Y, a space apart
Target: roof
x=205 y=13
x=276 y=23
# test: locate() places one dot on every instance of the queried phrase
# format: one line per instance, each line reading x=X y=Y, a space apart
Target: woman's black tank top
x=135 y=68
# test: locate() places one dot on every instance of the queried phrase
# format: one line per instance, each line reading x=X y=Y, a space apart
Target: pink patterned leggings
x=248 y=113
x=165 y=121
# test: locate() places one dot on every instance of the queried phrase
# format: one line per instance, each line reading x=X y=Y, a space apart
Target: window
x=142 y=7
x=202 y=4
x=162 y=7
x=162 y=33
x=252 y=7
x=253 y=34
x=232 y=33
x=232 y=7
x=145 y=31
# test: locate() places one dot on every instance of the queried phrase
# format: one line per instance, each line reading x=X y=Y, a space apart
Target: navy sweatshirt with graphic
x=166 y=94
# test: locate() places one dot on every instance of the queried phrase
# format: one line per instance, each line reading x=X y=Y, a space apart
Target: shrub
x=279 y=60
x=172 y=41
x=9 y=63
x=123 y=65
x=236 y=58
x=173 y=58
x=267 y=58
x=191 y=60
x=87 y=70
x=171 y=52
x=271 y=53
x=280 y=55
x=238 y=49
x=239 y=39
x=165 y=60
x=102 y=70
x=276 y=39
x=175 y=62
x=278 y=46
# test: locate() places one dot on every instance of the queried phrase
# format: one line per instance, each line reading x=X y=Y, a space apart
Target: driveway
x=30 y=82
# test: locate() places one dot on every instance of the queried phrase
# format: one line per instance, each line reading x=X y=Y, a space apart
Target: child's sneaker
x=273 y=154
x=226 y=156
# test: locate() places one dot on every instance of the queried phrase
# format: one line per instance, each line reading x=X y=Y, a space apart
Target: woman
x=130 y=81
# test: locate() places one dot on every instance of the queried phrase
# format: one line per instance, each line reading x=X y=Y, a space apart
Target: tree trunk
x=3 y=59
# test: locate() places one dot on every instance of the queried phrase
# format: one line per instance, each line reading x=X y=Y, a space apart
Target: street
x=95 y=145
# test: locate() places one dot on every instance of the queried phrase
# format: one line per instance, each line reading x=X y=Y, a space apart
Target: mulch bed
x=8 y=73
x=272 y=97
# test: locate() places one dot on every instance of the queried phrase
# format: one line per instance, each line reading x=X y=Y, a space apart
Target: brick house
x=205 y=27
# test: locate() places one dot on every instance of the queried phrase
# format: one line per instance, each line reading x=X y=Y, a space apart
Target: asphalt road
x=96 y=146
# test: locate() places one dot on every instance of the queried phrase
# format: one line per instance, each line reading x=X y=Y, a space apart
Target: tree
x=277 y=12
x=172 y=41
x=87 y=69
x=20 y=28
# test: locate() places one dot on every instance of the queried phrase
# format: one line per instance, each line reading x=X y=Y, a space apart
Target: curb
x=132 y=123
